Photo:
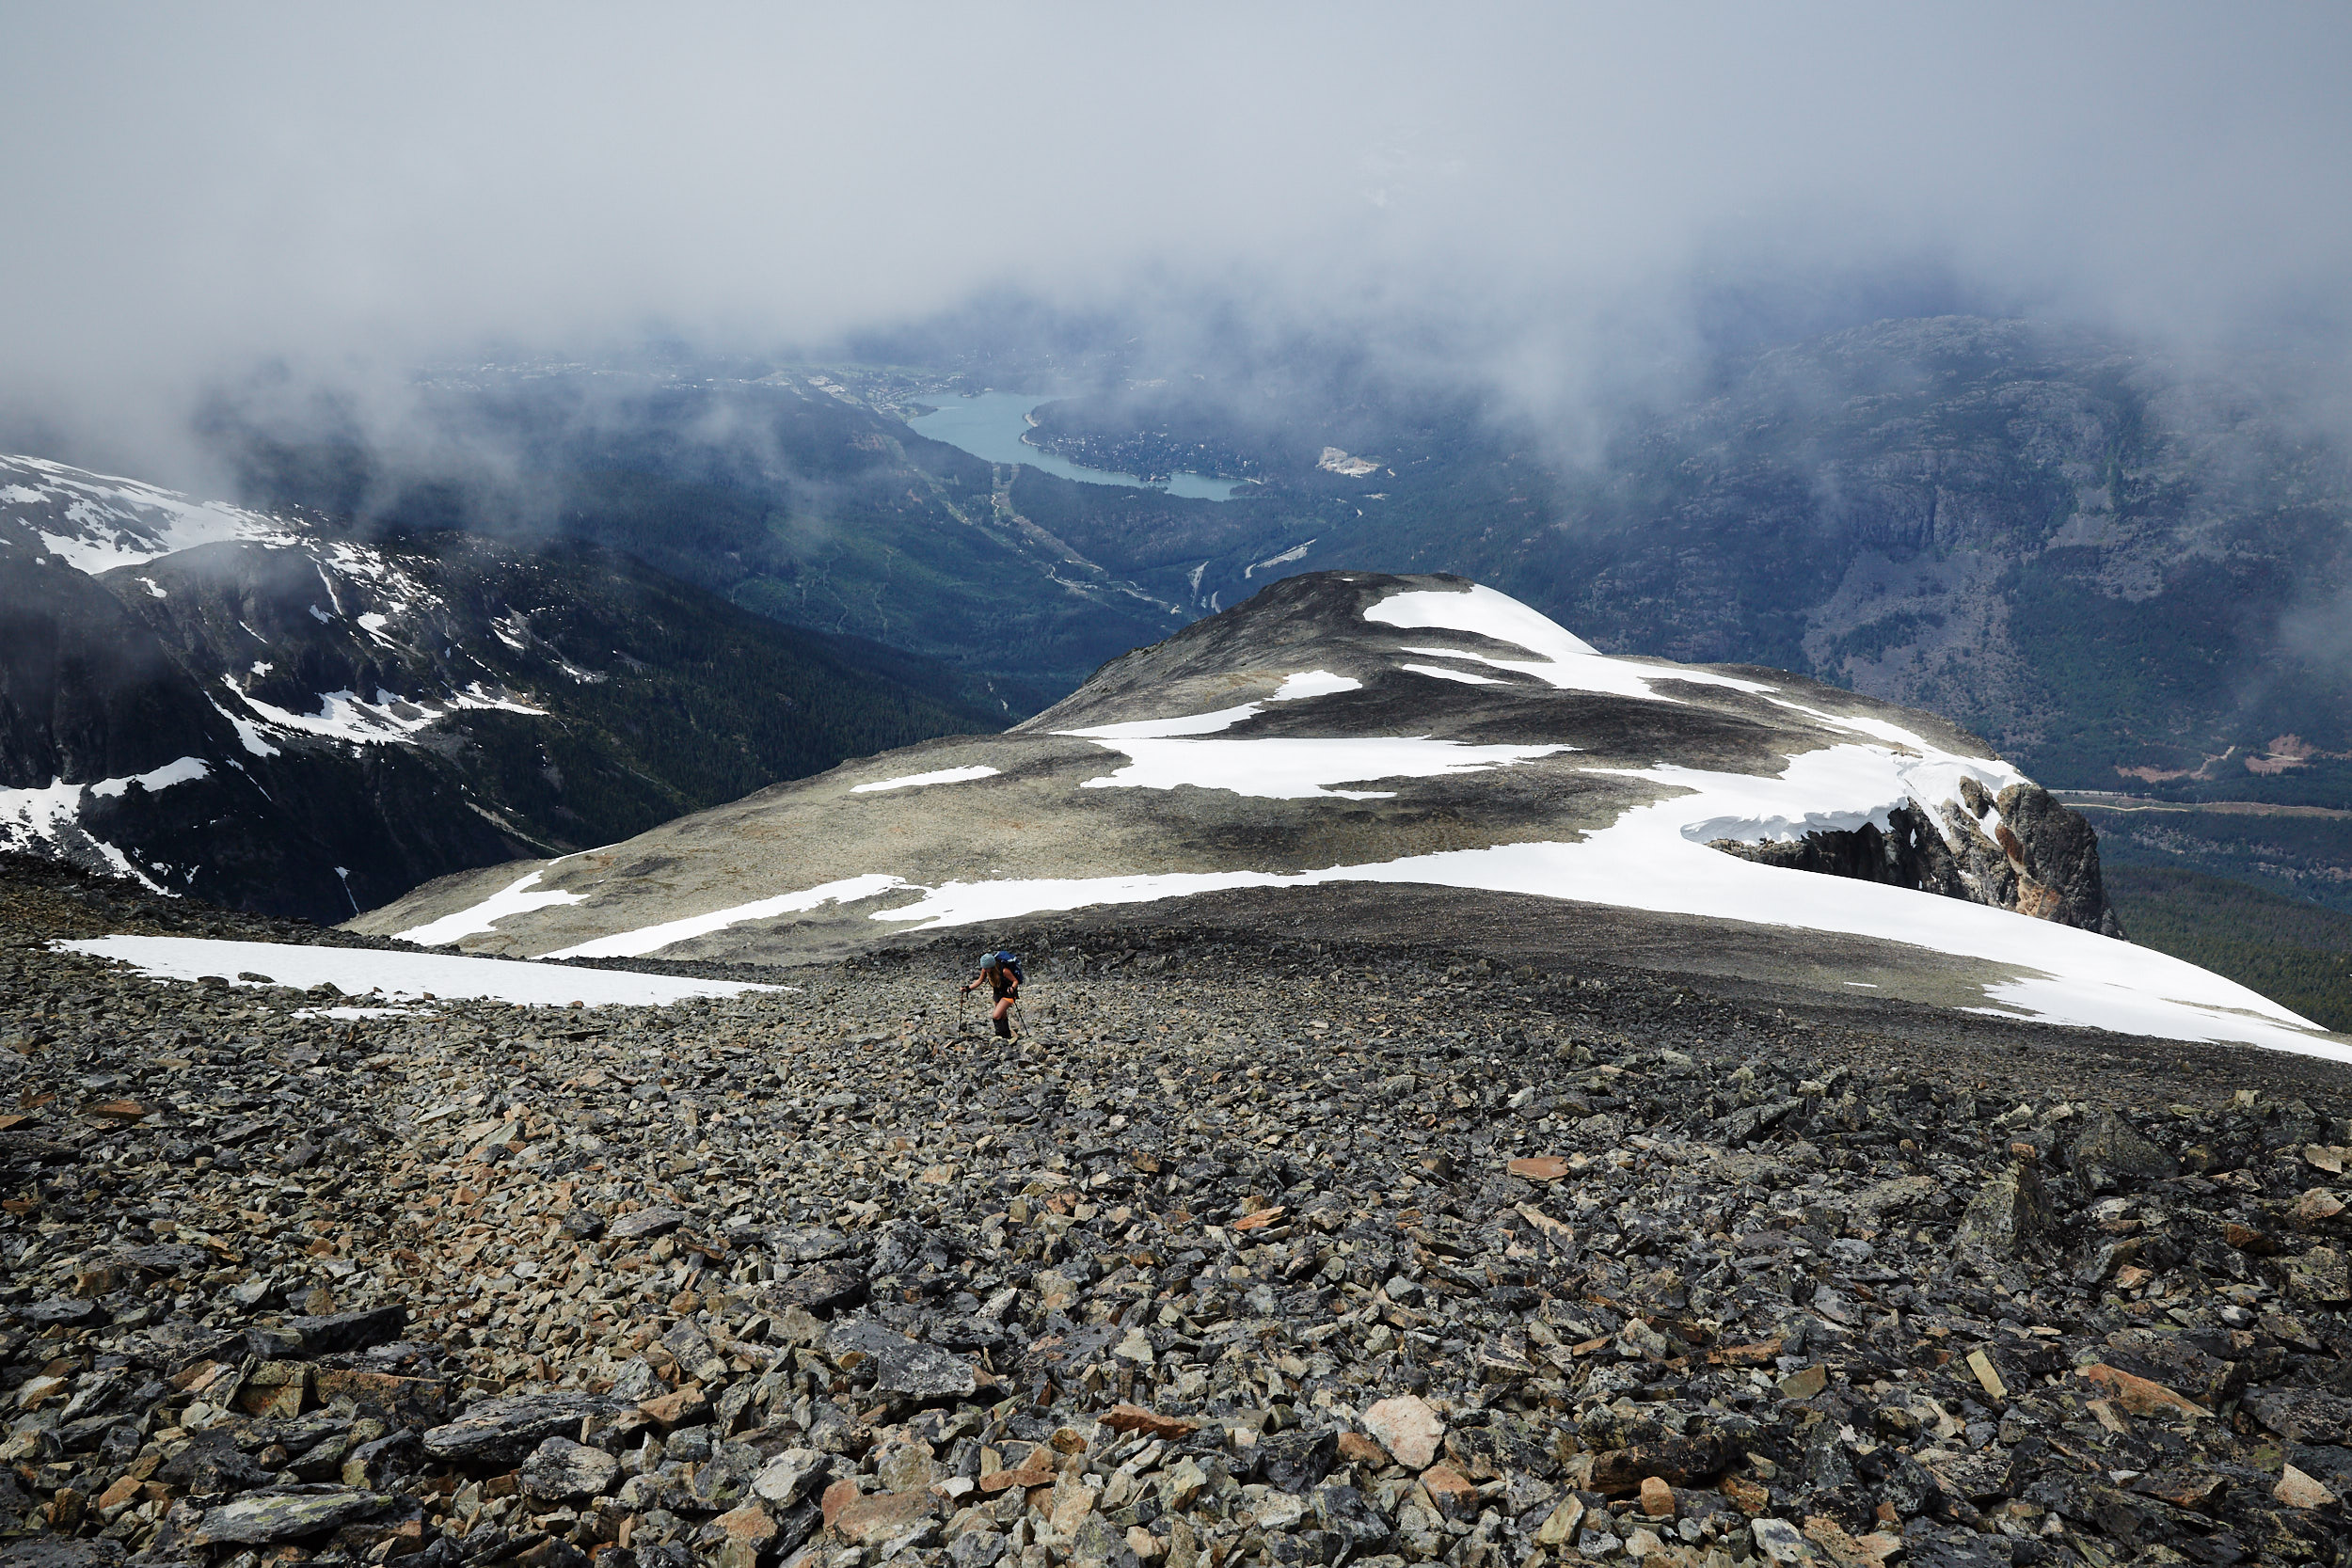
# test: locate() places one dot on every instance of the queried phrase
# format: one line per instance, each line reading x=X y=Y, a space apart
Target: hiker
x=1001 y=972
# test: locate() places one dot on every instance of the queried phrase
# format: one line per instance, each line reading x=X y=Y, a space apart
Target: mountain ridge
x=1343 y=732
x=276 y=716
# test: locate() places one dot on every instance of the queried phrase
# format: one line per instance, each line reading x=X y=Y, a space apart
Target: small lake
x=991 y=426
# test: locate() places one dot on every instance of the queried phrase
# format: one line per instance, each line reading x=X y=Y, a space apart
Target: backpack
x=1012 y=961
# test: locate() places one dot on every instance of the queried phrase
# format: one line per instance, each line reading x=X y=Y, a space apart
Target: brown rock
x=1657 y=1499
x=1456 y=1498
x=2139 y=1395
x=1559 y=1526
x=679 y=1407
x=1069 y=1506
x=751 y=1524
x=1804 y=1384
x=1135 y=1418
x=414 y=1401
x=840 y=1495
x=2247 y=1240
x=1031 y=1473
x=1357 y=1449
x=2200 y=1490
x=1538 y=1167
x=1676 y=1461
x=2317 y=1206
x=1407 y=1427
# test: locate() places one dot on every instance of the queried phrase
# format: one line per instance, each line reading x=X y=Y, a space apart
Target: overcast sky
x=190 y=189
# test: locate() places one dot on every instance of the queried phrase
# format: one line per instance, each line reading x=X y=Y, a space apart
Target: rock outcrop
x=2021 y=850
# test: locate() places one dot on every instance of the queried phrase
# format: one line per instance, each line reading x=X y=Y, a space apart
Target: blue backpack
x=1012 y=961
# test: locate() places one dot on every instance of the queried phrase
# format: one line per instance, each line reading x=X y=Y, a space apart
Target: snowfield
x=397 y=977
x=96 y=522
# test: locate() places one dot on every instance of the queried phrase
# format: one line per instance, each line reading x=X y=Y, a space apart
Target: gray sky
x=190 y=189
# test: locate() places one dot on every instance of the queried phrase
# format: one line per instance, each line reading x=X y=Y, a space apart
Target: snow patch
x=342 y=716
x=1464 y=676
x=399 y=977
x=1296 y=552
x=48 y=822
x=515 y=898
x=1297 y=769
x=185 y=770
x=248 y=732
x=1310 y=683
x=651 y=939
x=96 y=522
x=918 y=781
x=1563 y=660
x=151 y=588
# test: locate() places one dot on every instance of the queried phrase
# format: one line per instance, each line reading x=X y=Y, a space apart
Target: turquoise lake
x=991 y=425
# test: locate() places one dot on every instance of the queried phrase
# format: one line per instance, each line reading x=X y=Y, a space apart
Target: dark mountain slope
x=280 y=719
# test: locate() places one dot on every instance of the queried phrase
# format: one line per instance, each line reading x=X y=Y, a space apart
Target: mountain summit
x=1347 y=733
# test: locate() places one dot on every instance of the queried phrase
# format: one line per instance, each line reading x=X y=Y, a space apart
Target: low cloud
x=1554 y=205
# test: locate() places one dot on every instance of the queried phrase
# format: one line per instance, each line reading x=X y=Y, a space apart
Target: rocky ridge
x=1360 y=1254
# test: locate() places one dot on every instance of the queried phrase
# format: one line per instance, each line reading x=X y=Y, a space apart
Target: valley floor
x=1257 y=1249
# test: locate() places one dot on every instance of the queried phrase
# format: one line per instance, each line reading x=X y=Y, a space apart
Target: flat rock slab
x=901 y=1366
x=266 y=1518
x=820 y=1288
x=561 y=1470
x=647 y=1223
x=508 y=1429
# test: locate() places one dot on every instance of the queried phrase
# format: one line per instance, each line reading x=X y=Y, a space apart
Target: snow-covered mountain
x=270 y=714
x=1345 y=738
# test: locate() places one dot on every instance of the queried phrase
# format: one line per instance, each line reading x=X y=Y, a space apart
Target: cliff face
x=2021 y=851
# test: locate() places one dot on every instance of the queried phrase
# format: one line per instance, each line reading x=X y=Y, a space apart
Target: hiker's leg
x=1001 y=1015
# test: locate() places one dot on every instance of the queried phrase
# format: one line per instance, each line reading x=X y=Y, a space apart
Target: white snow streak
x=1294 y=769
x=1655 y=857
x=1309 y=683
x=917 y=780
x=515 y=898
x=651 y=939
x=400 y=976
x=344 y=716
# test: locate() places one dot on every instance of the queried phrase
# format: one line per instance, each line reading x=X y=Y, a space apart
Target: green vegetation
x=1872 y=639
x=2298 y=954
x=2307 y=859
